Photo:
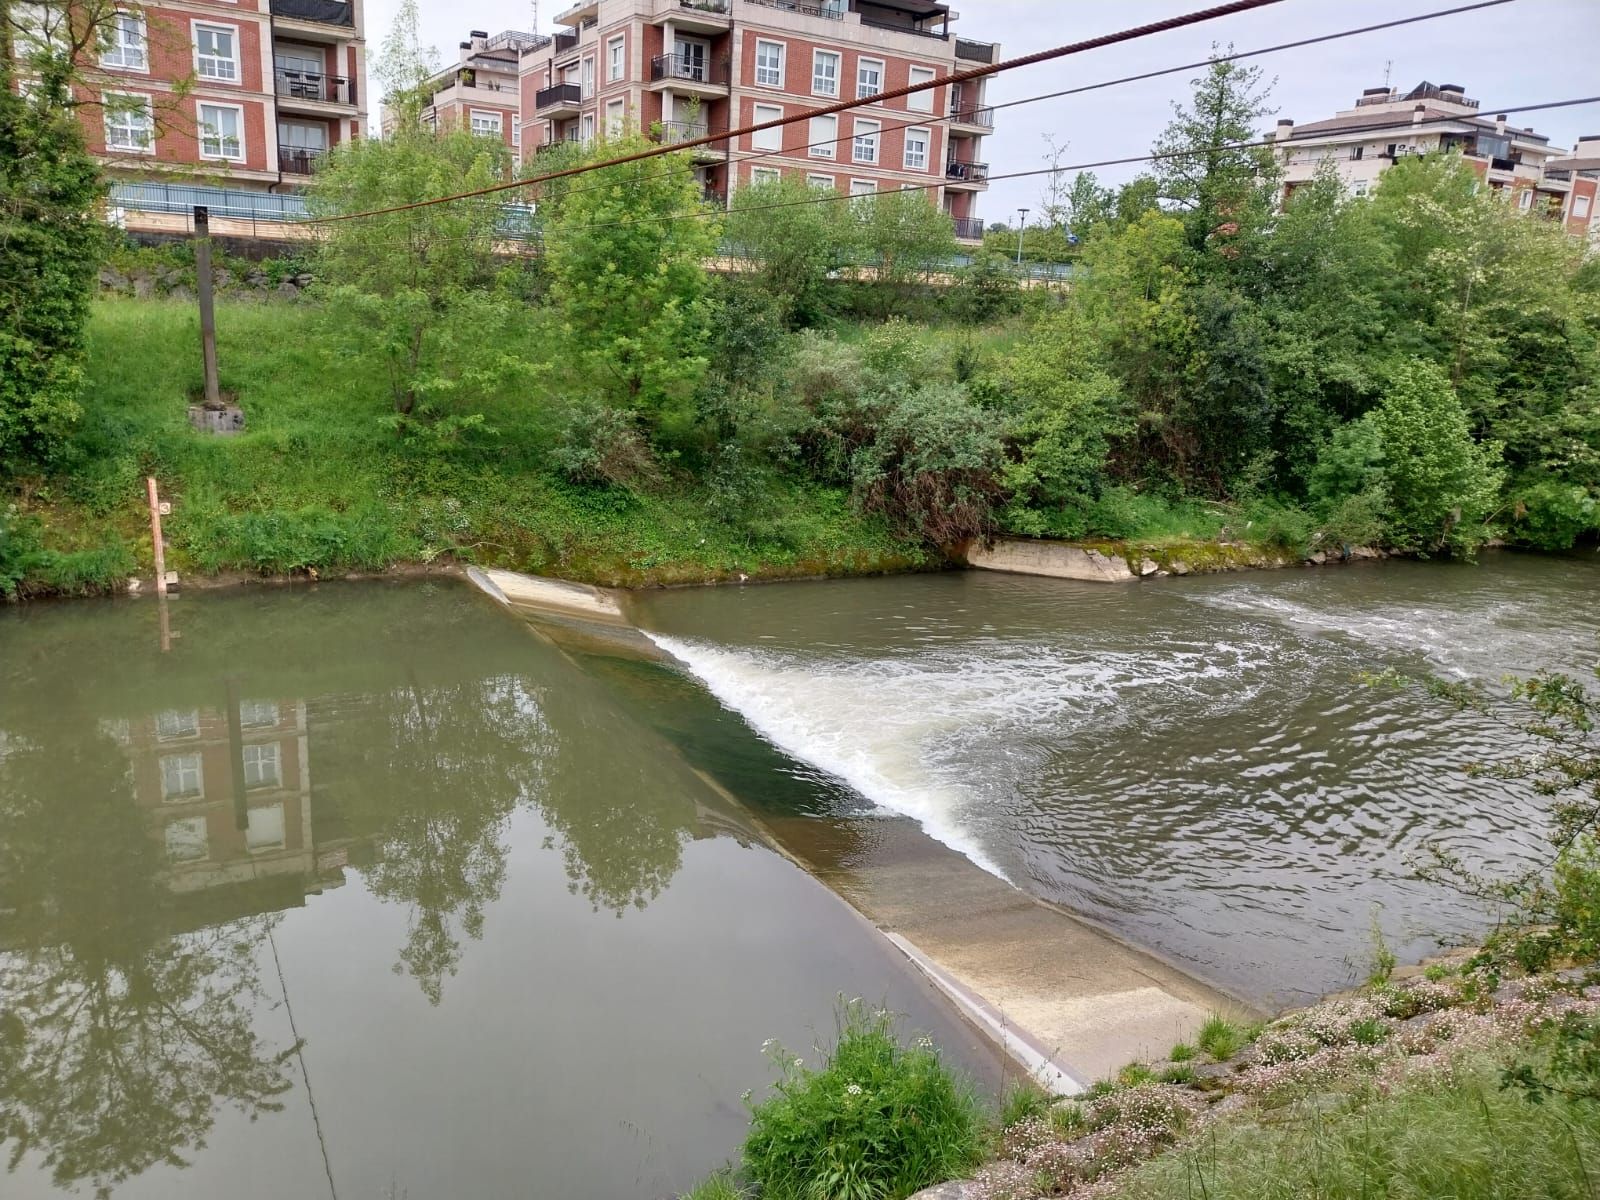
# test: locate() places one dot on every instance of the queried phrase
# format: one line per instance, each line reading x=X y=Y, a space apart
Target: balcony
x=979 y=52
x=672 y=133
x=557 y=102
x=974 y=173
x=696 y=75
x=698 y=16
x=565 y=42
x=981 y=119
x=968 y=229
x=313 y=90
x=715 y=198
x=320 y=12
x=824 y=10
x=299 y=160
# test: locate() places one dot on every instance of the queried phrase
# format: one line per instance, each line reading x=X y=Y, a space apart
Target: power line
x=1231 y=8
x=1074 y=91
x=835 y=198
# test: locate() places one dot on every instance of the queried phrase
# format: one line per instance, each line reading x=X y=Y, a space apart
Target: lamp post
x=1022 y=224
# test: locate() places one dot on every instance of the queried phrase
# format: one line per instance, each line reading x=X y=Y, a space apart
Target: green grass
x=1220 y=1037
x=877 y=1120
x=1468 y=1140
x=1182 y=1052
x=316 y=481
x=719 y=1187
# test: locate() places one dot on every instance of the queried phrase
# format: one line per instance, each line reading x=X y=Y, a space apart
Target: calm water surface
x=1193 y=762
x=367 y=891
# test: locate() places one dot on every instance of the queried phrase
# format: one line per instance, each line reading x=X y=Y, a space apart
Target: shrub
x=1023 y=1102
x=603 y=445
x=1549 y=514
x=877 y=1121
x=1182 y=1052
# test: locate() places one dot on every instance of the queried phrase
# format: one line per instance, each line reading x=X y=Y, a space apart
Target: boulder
x=1148 y=566
x=286 y=290
x=1179 y=567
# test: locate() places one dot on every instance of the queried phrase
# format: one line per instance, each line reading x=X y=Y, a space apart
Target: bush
x=1220 y=1037
x=1549 y=514
x=877 y=1121
x=603 y=445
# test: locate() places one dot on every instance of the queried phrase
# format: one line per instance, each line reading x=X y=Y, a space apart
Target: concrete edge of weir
x=1024 y=973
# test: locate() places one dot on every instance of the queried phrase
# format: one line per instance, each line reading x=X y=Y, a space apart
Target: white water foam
x=934 y=735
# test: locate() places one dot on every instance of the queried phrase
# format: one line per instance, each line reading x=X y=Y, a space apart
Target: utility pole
x=208 y=318
x=1022 y=224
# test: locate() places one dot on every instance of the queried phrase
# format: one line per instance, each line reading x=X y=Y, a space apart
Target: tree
x=423 y=284
x=1224 y=192
x=50 y=238
x=907 y=237
x=626 y=248
x=795 y=238
x=1442 y=485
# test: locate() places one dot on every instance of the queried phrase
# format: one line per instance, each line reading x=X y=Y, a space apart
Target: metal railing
x=689 y=70
x=327 y=12
x=969 y=228
x=299 y=160
x=828 y=12
x=281 y=207
x=563 y=94
x=969 y=172
x=673 y=132
x=311 y=85
x=971 y=51
x=717 y=7
x=983 y=117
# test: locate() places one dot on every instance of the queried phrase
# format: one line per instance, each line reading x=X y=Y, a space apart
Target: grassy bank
x=317 y=482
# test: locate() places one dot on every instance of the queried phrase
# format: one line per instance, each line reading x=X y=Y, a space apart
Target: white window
x=869 y=77
x=824 y=73
x=586 y=129
x=588 y=78
x=1580 y=207
x=768 y=139
x=820 y=182
x=765 y=174
x=863 y=187
x=130 y=125
x=864 y=148
x=769 y=64
x=824 y=133
x=222 y=132
x=614 y=114
x=254 y=714
x=917 y=149
x=177 y=723
x=264 y=828
x=262 y=765
x=181 y=777
x=125 y=43
x=186 y=839
x=920 y=101
x=516 y=134
x=216 y=53
x=1525 y=200
x=616 y=63
x=1359 y=188
x=486 y=123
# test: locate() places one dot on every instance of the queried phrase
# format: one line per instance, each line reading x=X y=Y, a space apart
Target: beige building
x=480 y=91
x=682 y=69
x=1386 y=125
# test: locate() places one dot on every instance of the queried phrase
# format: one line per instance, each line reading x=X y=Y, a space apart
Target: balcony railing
x=975 y=116
x=299 y=160
x=327 y=12
x=969 y=229
x=969 y=172
x=310 y=85
x=673 y=132
x=897 y=27
x=716 y=7
x=971 y=51
x=688 y=70
x=827 y=11
x=563 y=94
x=565 y=42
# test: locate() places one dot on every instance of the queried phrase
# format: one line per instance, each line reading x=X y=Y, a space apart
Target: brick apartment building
x=1386 y=125
x=273 y=85
x=680 y=69
x=481 y=91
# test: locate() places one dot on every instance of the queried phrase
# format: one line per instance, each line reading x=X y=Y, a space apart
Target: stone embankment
x=1120 y=562
x=176 y=283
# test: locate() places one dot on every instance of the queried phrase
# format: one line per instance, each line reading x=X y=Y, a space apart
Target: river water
x=1193 y=762
x=367 y=891
x=372 y=890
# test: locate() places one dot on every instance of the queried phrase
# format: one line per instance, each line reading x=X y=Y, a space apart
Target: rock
x=113 y=280
x=1179 y=567
x=1148 y=566
x=181 y=293
x=304 y=279
x=134 y=584
x=287 y=290
x=1213 y=1070
x=1363 y=552
x=1317 y=559
x=956 y=1189
x=144 y=287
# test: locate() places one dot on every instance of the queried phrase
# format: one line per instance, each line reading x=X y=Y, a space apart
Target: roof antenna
x=1388 y=63
x=535 y=27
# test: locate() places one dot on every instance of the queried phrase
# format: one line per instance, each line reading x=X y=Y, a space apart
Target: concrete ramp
x=516 y=590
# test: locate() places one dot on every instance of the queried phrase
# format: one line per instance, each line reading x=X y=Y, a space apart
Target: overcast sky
x=1523 y=52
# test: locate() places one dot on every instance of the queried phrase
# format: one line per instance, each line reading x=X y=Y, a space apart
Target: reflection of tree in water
x=118 y=1040
x=434 y=774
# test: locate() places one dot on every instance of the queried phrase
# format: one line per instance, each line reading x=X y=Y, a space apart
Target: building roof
x=1378 y=121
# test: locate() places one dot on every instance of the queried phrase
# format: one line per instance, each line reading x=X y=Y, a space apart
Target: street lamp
x=1021 y=225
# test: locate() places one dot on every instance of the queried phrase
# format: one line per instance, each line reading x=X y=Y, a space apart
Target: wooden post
x=208 y=319
x=155 y=534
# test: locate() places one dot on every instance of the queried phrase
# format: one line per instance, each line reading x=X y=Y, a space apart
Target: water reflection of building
x=227 y=791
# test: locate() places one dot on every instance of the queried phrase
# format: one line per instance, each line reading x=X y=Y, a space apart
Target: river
x=373 y=890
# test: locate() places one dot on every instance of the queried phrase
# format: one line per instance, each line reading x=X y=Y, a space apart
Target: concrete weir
x=1067 y=1000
